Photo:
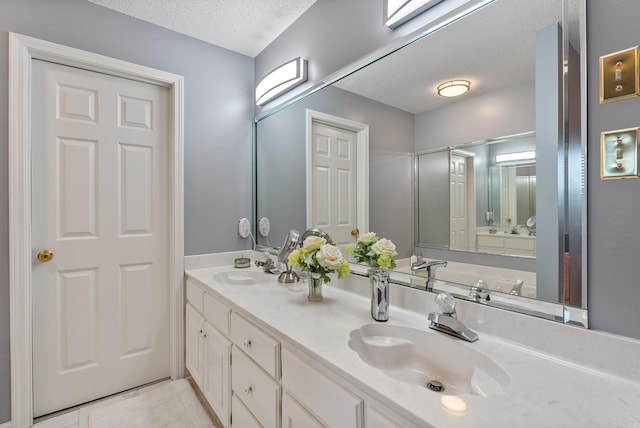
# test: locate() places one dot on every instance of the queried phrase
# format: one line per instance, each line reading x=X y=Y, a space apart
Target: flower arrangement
x=374 y=251
x=316 y=256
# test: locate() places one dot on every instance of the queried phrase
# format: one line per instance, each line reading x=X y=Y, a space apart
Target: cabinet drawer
x=525 y=244
x=257 y=390
x=331 y=403
x=376 y=418
x=216 y=313
x=195 y=296
x=257 y=344
x=242 y=418
x=496 y=242
x=296 y=416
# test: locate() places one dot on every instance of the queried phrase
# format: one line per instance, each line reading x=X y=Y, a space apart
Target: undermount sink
x=428 y=359
x=241 y=277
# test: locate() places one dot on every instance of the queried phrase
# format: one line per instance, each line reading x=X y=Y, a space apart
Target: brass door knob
x=45 y=256
x=355 y=232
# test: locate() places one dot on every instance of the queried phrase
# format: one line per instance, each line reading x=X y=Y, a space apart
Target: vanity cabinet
x=252 y=378
x=208 y=351
x=514 y=245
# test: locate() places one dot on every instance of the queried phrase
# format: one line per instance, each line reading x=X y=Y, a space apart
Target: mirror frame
x=558 y=312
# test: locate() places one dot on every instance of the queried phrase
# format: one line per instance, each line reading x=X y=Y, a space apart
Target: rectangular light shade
x=397 y=12
x=282 y=79
x=512 y=157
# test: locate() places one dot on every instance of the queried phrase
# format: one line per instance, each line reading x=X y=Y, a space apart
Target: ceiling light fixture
x=512 y=157
x=282 y=79
x=454 y=88
x=397 y=12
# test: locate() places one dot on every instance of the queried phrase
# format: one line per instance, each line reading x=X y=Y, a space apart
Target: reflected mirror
x=491 y=189
x=392 y=143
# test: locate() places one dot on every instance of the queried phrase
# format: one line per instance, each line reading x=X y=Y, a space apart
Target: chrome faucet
x=446 y=321
x=517 y=287
x=268 y=265
x=379 y=279
x=430 y=267
x=479 y=292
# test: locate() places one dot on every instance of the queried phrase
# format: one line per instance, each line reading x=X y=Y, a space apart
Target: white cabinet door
x=296 y=416
x=193 y=343
x=216 y=386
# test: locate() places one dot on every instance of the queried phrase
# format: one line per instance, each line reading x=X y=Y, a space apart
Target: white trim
x=362 y=163
x=6 y=425
x=22 y=50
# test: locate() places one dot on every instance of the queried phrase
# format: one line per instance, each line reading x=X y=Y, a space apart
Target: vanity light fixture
x=512 y=157
x=397 y=12
x=454 y=88
x=282 y=79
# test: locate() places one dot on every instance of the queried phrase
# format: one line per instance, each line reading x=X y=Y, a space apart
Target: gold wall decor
x=619 y=154
x=619 y=75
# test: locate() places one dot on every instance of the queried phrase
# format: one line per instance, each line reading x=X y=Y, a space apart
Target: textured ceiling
x=243 y=26
x=493 y=48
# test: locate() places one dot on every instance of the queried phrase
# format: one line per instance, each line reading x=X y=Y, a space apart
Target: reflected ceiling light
x=511 y=157
x=454 y=88
x=397 y=12
x=282 y=79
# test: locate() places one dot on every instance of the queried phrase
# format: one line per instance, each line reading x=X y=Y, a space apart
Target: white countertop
x=543 y=391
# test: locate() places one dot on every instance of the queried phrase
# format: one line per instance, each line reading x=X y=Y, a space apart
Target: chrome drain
x=436 y=386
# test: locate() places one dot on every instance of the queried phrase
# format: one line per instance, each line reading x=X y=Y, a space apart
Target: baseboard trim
x=6 y=425
x=207 y=407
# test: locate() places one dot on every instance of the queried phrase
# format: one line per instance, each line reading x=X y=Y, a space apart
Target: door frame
x=362 y=162
x=22 y=51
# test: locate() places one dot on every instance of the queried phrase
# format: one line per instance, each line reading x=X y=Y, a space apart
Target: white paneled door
x=100 y=188
x=333 y=177
x=458 y=204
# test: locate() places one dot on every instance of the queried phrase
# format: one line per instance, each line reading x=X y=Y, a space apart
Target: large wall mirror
x=492 y=181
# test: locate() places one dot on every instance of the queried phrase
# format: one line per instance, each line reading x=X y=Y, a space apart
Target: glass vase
x=315 y=287
x=379 y=279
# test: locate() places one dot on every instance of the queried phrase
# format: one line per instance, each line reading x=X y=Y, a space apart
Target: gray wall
x=218 y=113
x=613 y=206
x=511 y=111
x=281 y=163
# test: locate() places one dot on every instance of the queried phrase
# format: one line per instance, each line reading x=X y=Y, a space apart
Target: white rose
x=312 y=243
x=368 y=238
x=329 y=256
x=384 y=246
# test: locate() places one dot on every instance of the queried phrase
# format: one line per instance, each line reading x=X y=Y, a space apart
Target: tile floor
x=79 y=417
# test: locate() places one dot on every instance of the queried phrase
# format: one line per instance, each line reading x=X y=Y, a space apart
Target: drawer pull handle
x=248 y=390
x=246 y=343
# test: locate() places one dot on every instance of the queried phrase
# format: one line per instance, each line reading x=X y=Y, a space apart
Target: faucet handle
x=479 y=292
x=445 y=303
